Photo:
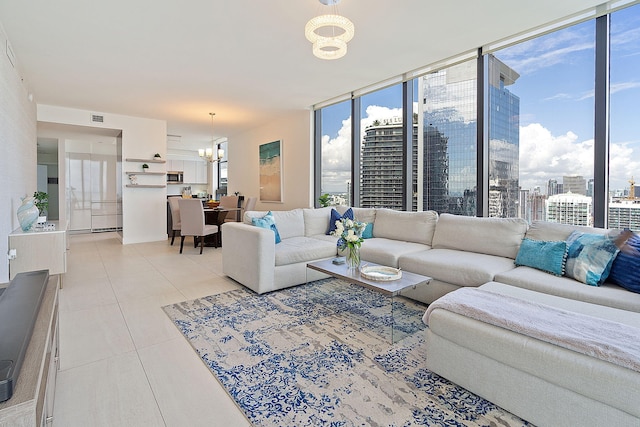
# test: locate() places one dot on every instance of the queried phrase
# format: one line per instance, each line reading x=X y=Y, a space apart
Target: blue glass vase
x=27 y=213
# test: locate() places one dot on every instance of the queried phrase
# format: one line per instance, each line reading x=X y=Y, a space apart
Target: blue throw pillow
x=268 y=222
x=542 y=255
x=589 y=257
x=625 y=270
x=368 y=231
x=335 y=216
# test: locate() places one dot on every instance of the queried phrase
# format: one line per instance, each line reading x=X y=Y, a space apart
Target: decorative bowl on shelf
x=380 y=273
x=213 y=204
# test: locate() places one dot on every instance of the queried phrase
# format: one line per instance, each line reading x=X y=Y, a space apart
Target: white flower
x=351 y=236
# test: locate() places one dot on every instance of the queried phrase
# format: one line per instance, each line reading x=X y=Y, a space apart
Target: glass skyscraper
x=449 y=109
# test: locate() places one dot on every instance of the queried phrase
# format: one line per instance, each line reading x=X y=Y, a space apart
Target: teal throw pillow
x=267 y=222
x=543 y=255
x=335 y=216
x=368 y=231
x=589 y=257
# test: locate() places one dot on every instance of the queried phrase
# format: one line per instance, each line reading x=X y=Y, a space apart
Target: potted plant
x=324 y=200
x=42 y=203
x=145 y=167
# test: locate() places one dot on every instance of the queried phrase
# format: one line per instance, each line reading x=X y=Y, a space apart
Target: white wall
x=295 y=132
x=144 y=210
x=18 y=145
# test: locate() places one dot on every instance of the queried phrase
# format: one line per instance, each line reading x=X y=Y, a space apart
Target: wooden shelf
x=145 y=186
x=147 y=160
x=145 y=173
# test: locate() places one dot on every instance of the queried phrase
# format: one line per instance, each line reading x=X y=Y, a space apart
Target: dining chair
x=230 y=202
x=249 y=206
x=175 y=216
x=192 y=222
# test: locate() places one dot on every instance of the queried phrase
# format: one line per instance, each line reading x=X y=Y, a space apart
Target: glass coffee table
x=391 y=288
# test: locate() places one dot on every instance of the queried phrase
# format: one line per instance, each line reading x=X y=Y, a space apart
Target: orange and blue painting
x=271 y=172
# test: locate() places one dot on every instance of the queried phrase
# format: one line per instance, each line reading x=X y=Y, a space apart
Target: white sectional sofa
x=539 y=381
x=455 y=251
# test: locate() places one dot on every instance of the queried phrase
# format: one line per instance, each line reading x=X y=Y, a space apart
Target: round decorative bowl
x=380 y=273
x=213 y=204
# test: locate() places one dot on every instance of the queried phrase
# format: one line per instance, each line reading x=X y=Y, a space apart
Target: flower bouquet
x=349 y=234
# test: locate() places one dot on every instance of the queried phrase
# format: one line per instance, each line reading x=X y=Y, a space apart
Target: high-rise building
x=448 y=102
x=575 y=184
x=436 y=171
x=448 y=108
x=569 y=208
x=590 y=187
x=554 y=188
x=381 y=184
x=532 y=205
x=625 y=214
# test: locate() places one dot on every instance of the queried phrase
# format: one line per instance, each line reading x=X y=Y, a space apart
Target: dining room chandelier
x=329 y=33
x=207 y=153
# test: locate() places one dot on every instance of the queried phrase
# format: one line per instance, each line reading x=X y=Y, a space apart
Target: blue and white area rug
x=321 y=354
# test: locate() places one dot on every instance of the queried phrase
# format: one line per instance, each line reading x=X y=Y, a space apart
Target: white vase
x=27 y=213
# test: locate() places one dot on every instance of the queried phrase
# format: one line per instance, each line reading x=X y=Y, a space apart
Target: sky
x=555 y=88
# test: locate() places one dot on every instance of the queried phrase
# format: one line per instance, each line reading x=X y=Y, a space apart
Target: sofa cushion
x=303 y=249
x=589 y=257
x=368 y=231
x=268 y=223
x=607 y=294
x=290 y=223
x=316 y=221
x=249 y=215
x=414 y=227
x=543 y=255
x=367 y=215
x=491 y=236
x=625 y=270
x=543 y=230
x=456 y=267
x=336 y=216
x=386 y=251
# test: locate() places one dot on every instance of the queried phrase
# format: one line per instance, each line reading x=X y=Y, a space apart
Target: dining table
x=216 y=216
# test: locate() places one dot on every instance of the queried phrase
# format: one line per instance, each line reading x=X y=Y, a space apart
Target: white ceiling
x=246 y=60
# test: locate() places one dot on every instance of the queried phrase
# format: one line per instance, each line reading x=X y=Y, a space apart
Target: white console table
x=32 y=402
x=39 y=250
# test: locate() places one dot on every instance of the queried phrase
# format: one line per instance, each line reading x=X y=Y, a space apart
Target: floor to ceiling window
x=544 y=87
x=381 y=153
x=335 y=175
x=624 y=152
x=545 y=140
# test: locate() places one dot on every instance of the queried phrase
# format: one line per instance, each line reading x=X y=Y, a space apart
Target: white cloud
x=336 y=152
x=544 y=156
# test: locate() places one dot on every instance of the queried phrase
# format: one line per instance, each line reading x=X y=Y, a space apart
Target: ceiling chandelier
x=207 y=153
x=329 y=33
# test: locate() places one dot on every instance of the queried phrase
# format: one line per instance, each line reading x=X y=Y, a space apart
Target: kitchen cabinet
x=189 y=172
x=175 y=165
x=195 y=172
x=202 y=169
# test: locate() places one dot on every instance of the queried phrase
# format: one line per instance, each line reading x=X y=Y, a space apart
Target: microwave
x=175 y=177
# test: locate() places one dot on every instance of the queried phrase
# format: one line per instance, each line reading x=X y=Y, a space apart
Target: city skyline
x=556 y=113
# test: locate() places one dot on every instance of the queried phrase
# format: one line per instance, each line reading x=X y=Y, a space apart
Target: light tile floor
x=122 y=362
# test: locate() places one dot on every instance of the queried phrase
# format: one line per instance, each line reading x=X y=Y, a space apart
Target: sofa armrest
x=248 y=255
